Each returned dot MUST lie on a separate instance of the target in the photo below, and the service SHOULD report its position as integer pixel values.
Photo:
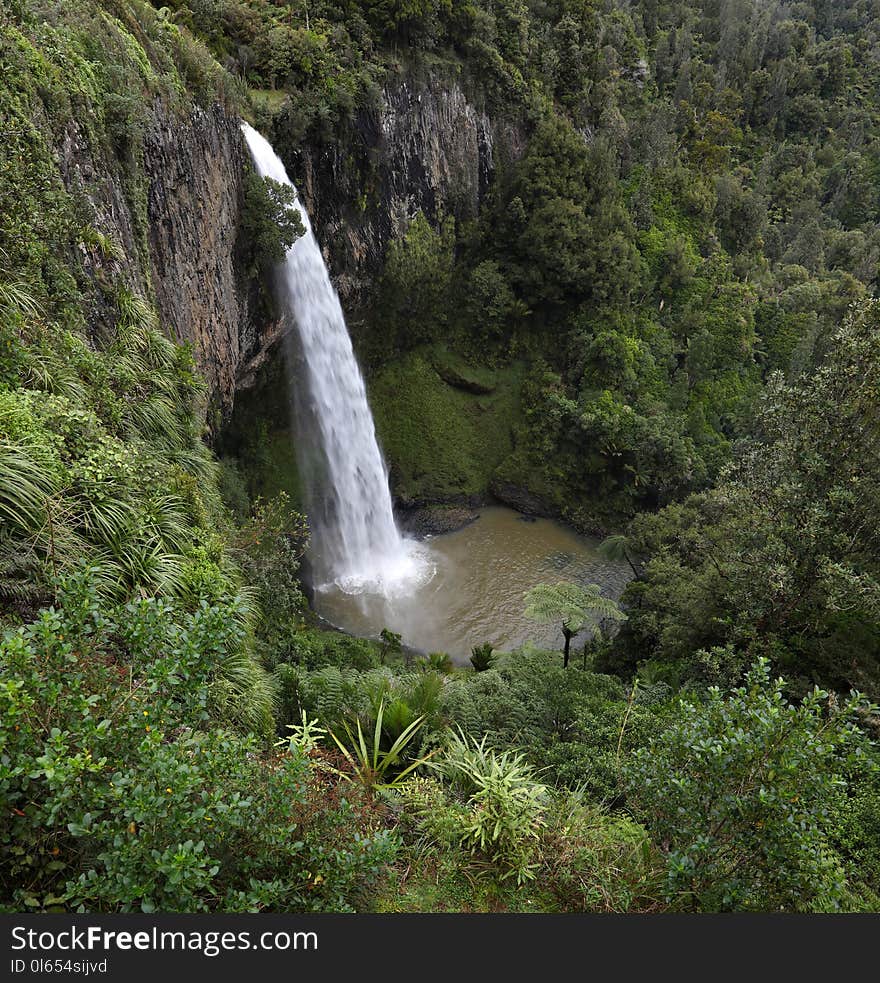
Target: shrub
(268, 547)
(596, 861)
(123, 793)
(270, 224)
(371, 764)
(739, 790)
(482, 657)
(505, 804)
(855, 829)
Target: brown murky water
(472, 586)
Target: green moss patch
(456, 372)
(442, 442)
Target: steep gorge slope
(687, 203)
(428, 147)
(122, 197)
(140, 168)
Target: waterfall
(355, 545)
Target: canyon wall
(429, 147)
(175, 213)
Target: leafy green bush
(268, 546)
(270, 224)
(596, 861)
(124, 793)
(525, 840)
(854, 829)
(504, 806)
(739, 790)
(603, 735)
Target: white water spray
(355, 542)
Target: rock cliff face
(175, 216)
(428, 148)
(195, 168)
(173, 213)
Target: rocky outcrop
(521, 499)
(435, 520)
(169, 217)
(454, 376)
(195, 167)
(174, 218)
(428, 148)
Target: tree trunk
(632, 565)
(567, 650)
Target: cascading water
(356, 545)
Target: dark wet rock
(522, 500)
(175, 229)
(429, 146)
(458, 379)
(434, 520)
(196, 167)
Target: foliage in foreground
(370, 763)
(715, 801)
(740, 791)
(125, 788)
(488, 820)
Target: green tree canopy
(738, 789)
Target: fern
(573, 607)
(23, 581)
(322, 693)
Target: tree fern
(572, 606)
(617, 548)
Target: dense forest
(654, 320)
